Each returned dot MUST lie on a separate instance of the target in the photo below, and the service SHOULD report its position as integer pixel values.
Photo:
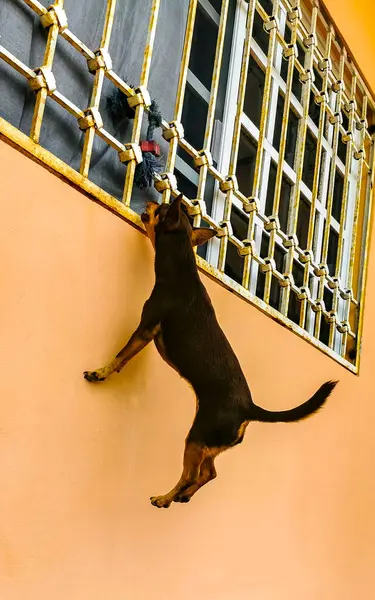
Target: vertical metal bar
(367, 219)
(242, 86)
(317, 173)
(216, 75)
(97, 89)
(180, 94)
(279, 174)
(300, 154)
(357, 204)
(237, 125)
(139, 111)
(343, 216)
(212, 103)
(41, 95)
(353, 247)
(348, 162)
(331, 186)
(319, 147)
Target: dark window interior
(285, 192)
(278, 122)
(324, 331)
(186, 186)
(342, 149)
(267, 5)
(296, 83)
(259, 34)
(203, 48)
(254, 92)
(234, 262)
(337, 195)
(303, 222)
(309, 160)
(291, 138)
(194, 115)
(292, 132)
(345, 120)
(332, 251)
(246, 164)
(294, 308)
(216, 4)
(279, 255)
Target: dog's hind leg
(194, 456)
(207, 473)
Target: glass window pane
(246, 164)
(254, 92)
(203, 48)
(194, 117)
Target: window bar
(273, 225)
(365, 241)
(67, 104)
(175, 131)
(98, 70)
(323, 270)
(272, 26)
(42, 92)
(36, 7)
(119, 83)
(16, 64)
(242, 86)
(237, 126)
(306, 79)
(353, 247)
(205, 158)
(347, 139)
(144, 100)
(77, 44)
(321, 100)
(42, 79)
(63, 30)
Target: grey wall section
(22, 34)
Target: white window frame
(270, 153)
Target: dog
(180, 319)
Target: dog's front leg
(148, 328)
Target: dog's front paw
(160, 501)
(94, 375)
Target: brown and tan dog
(181, 320)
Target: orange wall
(291, 515)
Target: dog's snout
(145, 218)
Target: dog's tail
(299, 412)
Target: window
(273, 151)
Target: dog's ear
(201, 235)
(172, 218)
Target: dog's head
(168, 219)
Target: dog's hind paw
(182, 499)
(93, 376)
(160, 501)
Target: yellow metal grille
(303, 63)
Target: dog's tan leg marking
(207, 473)
(207, 469)
(193, 458)
(140, 338)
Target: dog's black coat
(195, 345)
